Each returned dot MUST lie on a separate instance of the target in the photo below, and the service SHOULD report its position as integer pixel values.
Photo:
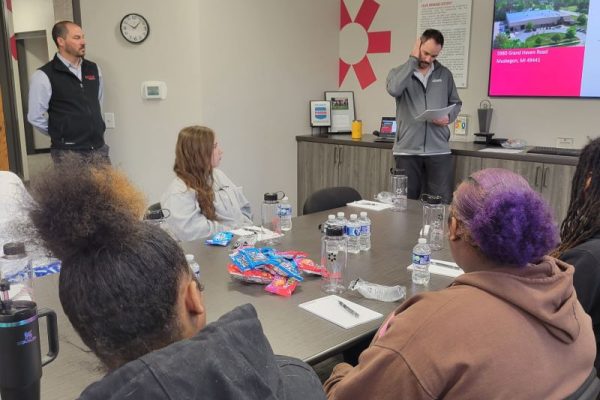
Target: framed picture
(320, 113)
(342, 111)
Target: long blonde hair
(193, 165)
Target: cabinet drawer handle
(537, 173)
(340, 156)
(335, 149)
(544, 176)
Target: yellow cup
(357, 129)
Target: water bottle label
(353, 231)
(284, 211)
(420, 259)
(365, 229)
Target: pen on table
(446, 264)
(351, 311)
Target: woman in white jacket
(202, 200)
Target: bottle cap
(353, 216)
(334, 230)
(270, 197)
(13, 249)
(363, 214)
(154, 215)
(422, 241)
(330, 216)
(189, 257)
(285, 198)
(340, 214)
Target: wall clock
(134, 28)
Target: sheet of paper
(263, 233)
(430, 115)
(328, 308)
(445, 268)
(502, 150)
(370, 205)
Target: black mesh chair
(328, 198)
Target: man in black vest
(65, 98)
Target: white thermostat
(154, 90)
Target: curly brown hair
(193, 165)
(120, 276)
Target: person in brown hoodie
(511, 327)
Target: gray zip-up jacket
(412, 99)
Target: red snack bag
(282, 286)
(251, 276)
(293, 254)
(308, 266)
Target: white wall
(35, 15)
(538, 121)
(246, 69)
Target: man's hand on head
(416, 50)
(441, 121)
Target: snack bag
(220, 239)
(250, 276)
(308, 266)
(282, 286)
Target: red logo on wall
(376, 42)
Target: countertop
(458, 148)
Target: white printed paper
(430, 115)
(370, 205)
(328, 308)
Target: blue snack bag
(220, 239)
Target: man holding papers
(426, 102)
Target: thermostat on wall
(154, 90)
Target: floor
(38, 163)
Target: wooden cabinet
(464, 166)
(322, 165)
(553, 181)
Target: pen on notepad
(351, 311)
(445, 264)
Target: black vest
(74, 117)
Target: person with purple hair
(511, 327)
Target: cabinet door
(464, 166)
(317, 168)
(386, 163)
(529, 170)
(360, 169)
(556, 188)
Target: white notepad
(328, 308)
(370, 205)
(445, 268)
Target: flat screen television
(545, 48)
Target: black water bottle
(20, 354)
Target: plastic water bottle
(329, 222)
(353, 229)
(341, 221)
(285, 214)
(420, 262)
(15, 267)
(194, 266)
(334, 259)
(365, 231)
(270, 216)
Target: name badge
(436, 80)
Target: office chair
(590, 390)
(328, 198)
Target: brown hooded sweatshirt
(503, 334)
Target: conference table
(290, 329)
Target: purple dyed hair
(505, 218)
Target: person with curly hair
(509, 328)
(129, 293)
(580, 234)
(202, 200)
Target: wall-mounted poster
(342, 111)
(320, 113)
(453, 19)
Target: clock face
(134, 28)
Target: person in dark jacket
(580, 234)
(65, 97)
(129, 293)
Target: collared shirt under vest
(74, 114)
